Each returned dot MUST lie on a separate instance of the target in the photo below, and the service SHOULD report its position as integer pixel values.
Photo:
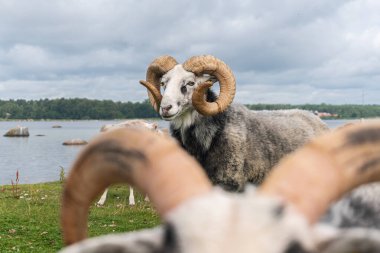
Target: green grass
(30, 223)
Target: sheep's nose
(166, 109)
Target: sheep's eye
(162, 84)
(190, 83)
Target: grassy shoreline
(30, 221)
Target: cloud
(294, 52)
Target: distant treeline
(342, 111)
(79, 108)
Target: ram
(233, 144)
(281, 216)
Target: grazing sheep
(281, 216)
(134, 124)
(233, 144)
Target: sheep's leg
(131, 197)
(102, 198)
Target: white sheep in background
(233, 144)
(134, 124)
(281, 216)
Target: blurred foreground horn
(325, 169)
(155, 164)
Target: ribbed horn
(207, 64)
(153, 163)
(330, 166)
(159, 67)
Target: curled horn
(137, 157)
(159, 67)
(322, 171)
(207, 64)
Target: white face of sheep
(178, 86)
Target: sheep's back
(264, 137)
(295, 126)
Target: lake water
(39, 158)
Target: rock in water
(75, 142)
(17, 132)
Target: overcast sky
(290, 51)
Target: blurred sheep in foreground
(281, 216)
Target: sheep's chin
(185, 119)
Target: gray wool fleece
(239, 145)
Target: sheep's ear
(213, 79)
(349, 241)
(205, 78)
